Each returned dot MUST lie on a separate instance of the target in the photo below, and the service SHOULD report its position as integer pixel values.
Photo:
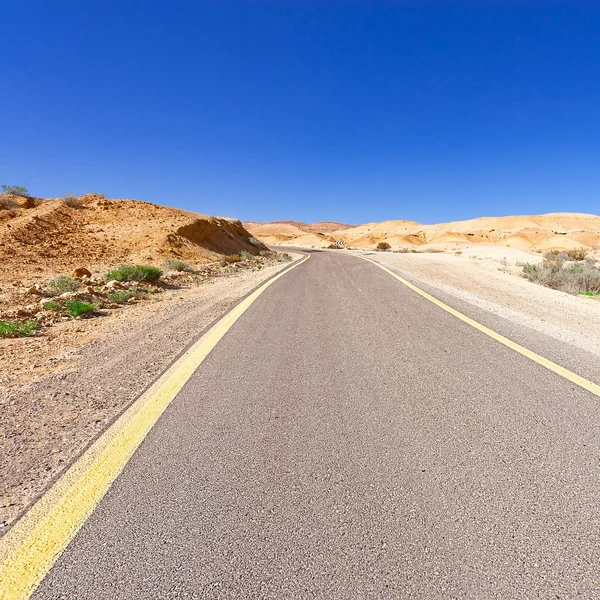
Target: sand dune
(535, 233)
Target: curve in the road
(586, 384)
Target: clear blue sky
(354, 111)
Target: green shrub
(176, 265)
(76, 308)
(246, 255)
(17, 190)
(14, 329)
(383, 246)
(134, 273)
(121, 296)
(52, 306)
(62, 284)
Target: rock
(68, 295)
(80, 272)
(113, 285)
(34, 289)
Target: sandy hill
(535, 233)
(41, 236)
(288, 232)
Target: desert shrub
(17, 190)
(383, 246)
(246, 255)
(8, 203)
(52, 305)
(577, 253)
(285, 257)
(61, 285)
(232, 258)
(76, 308)
(571, 277)
(263, 253)
(176, 265)
(121, 296)
(14, 329)
(72, 201)
(134, 273)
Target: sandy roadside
(490, 280)
(80, 387)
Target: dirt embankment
(39, 236)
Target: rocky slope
(40, 237)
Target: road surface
(348, 438)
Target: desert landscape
(536, 233)
(78, 345)
(97, 295)
(489, 262)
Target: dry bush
(557, 273)
(383, 246)
(232, 258)
(8, 203)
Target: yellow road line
(32, 546)
(573, 377)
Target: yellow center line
(573, 377)
(32, 546)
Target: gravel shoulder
(492, 283)
(59, 392)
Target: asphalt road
(349, 439)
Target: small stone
(80, 272)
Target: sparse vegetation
(8, 203)
(246, 255)
(285, 257)
(176, 265)
(61, 285)
(77, 308)
(263, 253)
(560, 271)
(52, 305)
(15, 329)
(122, 296)
(573, 254)
(383, 246)
(17, 190)
(134, 273)
(72, 201)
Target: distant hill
(554, 231)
